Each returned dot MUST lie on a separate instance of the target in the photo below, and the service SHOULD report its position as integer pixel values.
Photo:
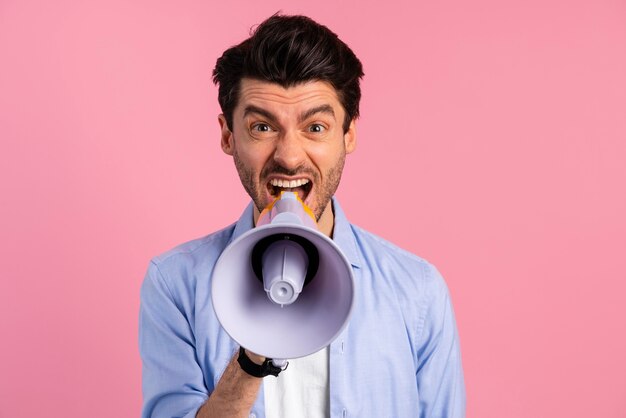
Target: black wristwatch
(256, 370)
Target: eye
(317, 127)
(261, 127)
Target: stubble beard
(324, 191)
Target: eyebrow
(319, 109)
(260, 111)
(325, 108)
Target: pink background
(492, 142)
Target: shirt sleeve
(172, 380)
(439, 373)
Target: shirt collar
(343, 235)
(245, 222)
(342, 231)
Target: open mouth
(300, 186)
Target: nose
(289, 151)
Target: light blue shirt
(398, 357)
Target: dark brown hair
(288, 50)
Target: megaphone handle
(280, 363)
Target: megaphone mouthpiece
(288, 208)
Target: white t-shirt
(300, 391)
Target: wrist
(255, 358)
(266, 366)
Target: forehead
(274, 96)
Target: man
(290, 98)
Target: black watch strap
(257, 370)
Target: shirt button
(252, 416)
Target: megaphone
(283, 290)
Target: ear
(349, 138)
(227, 141)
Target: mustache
(279, 169)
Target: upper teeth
(288, 183)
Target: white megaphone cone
(283, 290)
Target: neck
(325, 224)
(327, 221)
